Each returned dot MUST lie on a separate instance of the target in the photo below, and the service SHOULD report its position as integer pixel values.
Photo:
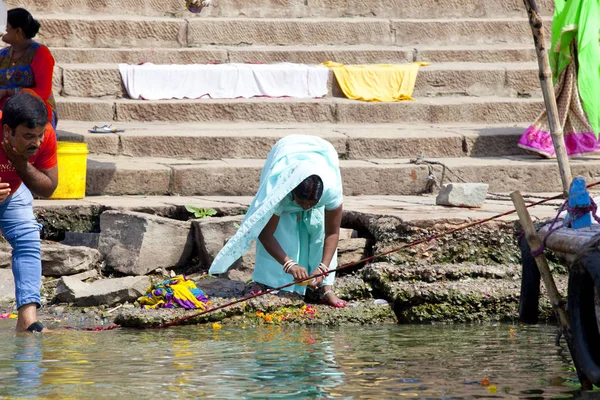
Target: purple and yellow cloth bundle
(177, 292)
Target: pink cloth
(540, 142)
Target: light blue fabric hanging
(300, 233)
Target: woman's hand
(316, 282)
(299, 273)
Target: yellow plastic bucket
(72, 168)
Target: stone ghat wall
(114, 255)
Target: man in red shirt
(28, 163)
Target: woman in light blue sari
(296, 216)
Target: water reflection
(433, 361)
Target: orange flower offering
(287, 313)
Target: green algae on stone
(356, 313)
(58, 220)
(352, 287)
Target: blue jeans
(22, 231)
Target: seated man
(28, 161)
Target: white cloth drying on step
(224, 81)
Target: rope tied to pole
(575, 212)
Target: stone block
(67, 55)
(432, 81)
(216, 179)
(289, 32)
(112, 31)
(7, 286)
(58, 259)
(240, 110)
(83, 276)
(81, 239)
(61, 260)
(101, 292)
(211, 234)
(87, 7)
(92, 81)
(194, 146)
(479, 54)
(316, 55)
(57, 81)
(444, 32)
(351, 250)
(85, 109)
(221, 287)
(462, 195)
(135, 243)
(98, 143)
(107, 177)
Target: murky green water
(431, 361)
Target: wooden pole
(555, 298)
(537, 28)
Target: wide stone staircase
(471, 104)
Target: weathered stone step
(462, 301)
(290, 8)
(100, 80)
(109, 31)
(437, 110)
(201, 141)
(444, 272)
(118, 175)
(358, 54)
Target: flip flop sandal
(36, 327)
(105, 129)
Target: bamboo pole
(555, 298)
(537, 28)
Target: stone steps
(118, 175)
(100, 80)
(436, 110)
(290, 8)
(111, 31)
(358, 54)
(201, 141)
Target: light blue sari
(300, 233)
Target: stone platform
(407, 208)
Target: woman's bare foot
(329, 298)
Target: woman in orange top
(26, 63)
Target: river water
(387, 361)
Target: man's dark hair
(21, 18)
(310, 189)
(24, 109)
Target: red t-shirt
(45, 158)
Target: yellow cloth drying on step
(377, 82)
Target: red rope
(364, 260)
